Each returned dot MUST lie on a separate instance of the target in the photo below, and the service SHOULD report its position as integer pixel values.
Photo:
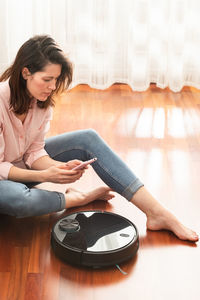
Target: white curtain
(129, 41)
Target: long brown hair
(35, 54)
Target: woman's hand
(63, 173)
(74, 163)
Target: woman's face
(41, 84)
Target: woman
(39, 71)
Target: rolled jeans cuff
(132, 189)
(62, 201)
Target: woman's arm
(25, 175)
(44, 162)
(48, 171)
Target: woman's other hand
(63, 173)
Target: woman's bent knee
(90, 134)
(14, 198)
(90, 137)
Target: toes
(194, 237)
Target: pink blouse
(21, 143)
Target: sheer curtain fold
(129, 41)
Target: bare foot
(168, 221)
(158, 217)
(75, 198)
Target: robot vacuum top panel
(95, 231)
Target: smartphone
(85, 163)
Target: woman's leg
(158, 217)
(86, 144)
(16, 199)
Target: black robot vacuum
(94, 239)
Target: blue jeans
(20, 200)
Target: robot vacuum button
(69, 225)
(124, 235)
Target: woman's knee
(14, 198)
(90, 136)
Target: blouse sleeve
(36, 149)
(4, 166)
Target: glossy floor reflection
(157, 133)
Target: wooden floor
(157, 133)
